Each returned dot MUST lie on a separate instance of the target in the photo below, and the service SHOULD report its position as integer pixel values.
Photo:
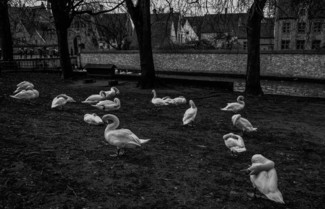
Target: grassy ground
(53, 159)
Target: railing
(38, 64)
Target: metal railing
(36, 64)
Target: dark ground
(53, 159)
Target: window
(301, 27)
(245, 45)
(300, 44)
(315, 44)
(317, 27)
(285, 44)
(286, 27)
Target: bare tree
(140, 14)
(5, 33)
(63, 12)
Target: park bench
(105, 70)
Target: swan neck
(113, 125)
(154, 93)
(192, 104)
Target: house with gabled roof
(300, 27)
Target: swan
(179, 100)
(234, 142)
(264, 177)
(108, 105)
(61, 100)
(157, 101)
(24, 85)
(26, 94)
(95, 98)
(190, 114)
(168, 100)
(235, 106)
(111, 93)
(242, 123)
(93, 119)
(121, 138)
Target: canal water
(290, 88)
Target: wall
(282, 64)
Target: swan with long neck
(264, 177)
(93, 119)
(26, 94)
(235, 106)
(61, 100)
(111, 93)
(242, 123)
(25, 85)
(92, 99)
(120, 138)
(157, 101)
(108, 105)
(190, 114)
(234, 142)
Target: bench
(106, 70)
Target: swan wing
(245, 125)
(122, 138)
(58, 101)
(189, 115)
(93, 99)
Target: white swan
(190, 114)
(235, 106)
(121, 138)
(24, 85)
(111, 93)
(93, 119)
(108, 105)
(168, 100)
(234, 142)
(26, 94)
(157, 101)
(61, 100)
(95, 98)
(242, 123)
(179, 100)
(264, 177)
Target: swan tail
(14, 96)
(253, 129)
(224, 109)
(143, 141)
(275, 196)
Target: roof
(112, 25)
(195, 22)
(291, 9)
(164, 18)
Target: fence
(39, 64)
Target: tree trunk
(64, 53)
(255, 15)
(141, 18)
(5, 32)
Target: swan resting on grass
(92, 99)
(61, 100)
(264, 177)
(234, 142)
(242, 123)
(93, 119)
(179, 100)
(108, 105)
(235, 106)
(24, 85)
(121, 138)
(111, 93)
(158, 101)
(26, 94)
(190, 114)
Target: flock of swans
(262, 172)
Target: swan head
(102, 94)
(235, 118)
(240, 98)
(192, 104)
(115, 90)
(117, 101)
(259, 164)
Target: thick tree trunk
(5, 33)
(141, 18)
(64, 53)
(255, 15)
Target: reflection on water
(287, 88)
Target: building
(300, 27)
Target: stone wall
(289, 64)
